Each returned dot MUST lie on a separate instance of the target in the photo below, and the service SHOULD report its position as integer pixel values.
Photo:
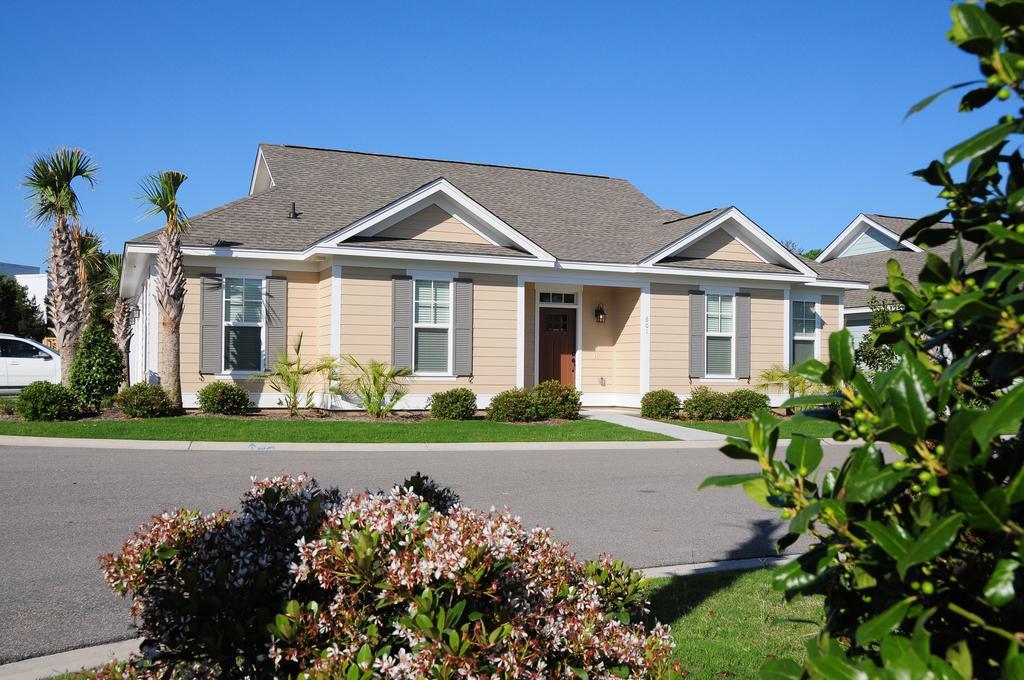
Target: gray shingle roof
(872, 267)
(724, 265)
(424, 246)
(896, 225)
(572, 216)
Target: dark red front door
(557, 351)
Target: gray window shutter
(276, 318)
(401, 321)
(743, 335)
(211, 323)
(463, 326)
(697, 334)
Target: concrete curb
(67, 662)
(88, 657)
(154, 445)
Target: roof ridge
(441, 160)
(896, 217)
(696, 214)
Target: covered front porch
(589, 336)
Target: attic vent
(293, 213)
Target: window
(558, 298)
(15, 349)
(243, 324)
(719, 335)
(805, 321)
(432, 326)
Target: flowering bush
(305, 581)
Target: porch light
(599, 313)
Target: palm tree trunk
(170, 297)
(122, 327)
(65, 299)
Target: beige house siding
(366, 312)
(767, 330)
(670, 337)
(611, 350)
(433, 223)
(830, 321)
(323, 306)
(720, 245)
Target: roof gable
(869, 233)
(720, 244)
(433, 223)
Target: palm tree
(49, 181)
(120, 315)
(160, 195)
(91, 266)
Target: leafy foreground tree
(920, 532)
(49, 181)
(160, 194)
(19, 315)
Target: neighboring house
(862, 251)
(483, 276)
(31, 278)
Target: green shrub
(514, 406)
(706, 404)
(660, 404)
(555, 400)
(224, 397)
(455, 404)
(743, 403)
(98, 368)
(8, 406)
(47, 401)
(143, 400)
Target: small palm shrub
(555, 400)
(376, 387)
(743, 403)
(98, 368)
(660, 404)
(47, 401)
(455, 404)
(789, 380)
(516, 405)
(293, 378)
(706, 404)
(143, 400)
(376, 585)
(224, 397)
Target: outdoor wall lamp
(599, 313)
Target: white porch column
(520, 331)
(645, 338)
(787, 344)
(336, 310)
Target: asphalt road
(60, 508)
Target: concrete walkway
(686, 434)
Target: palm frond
(160, 197)
(50, 181)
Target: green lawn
(811, 427)
(198, 428)
(726, 624)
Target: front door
(557, 345)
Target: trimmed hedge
(47, 401)
(706, 404)
(458, 403)
(548, 400)
(98, 368)
(660, 404)
(224, 397)
(143, 400)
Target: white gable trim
(438, 190)
(860, 224)
(441, 202)
(260, 164)
(756, 234)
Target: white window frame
(815, 300)
(720, 292)
(243, 324)
(437, 277)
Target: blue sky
(791, 111)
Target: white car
(23, 362)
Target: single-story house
(482, 276)
(862, 250)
